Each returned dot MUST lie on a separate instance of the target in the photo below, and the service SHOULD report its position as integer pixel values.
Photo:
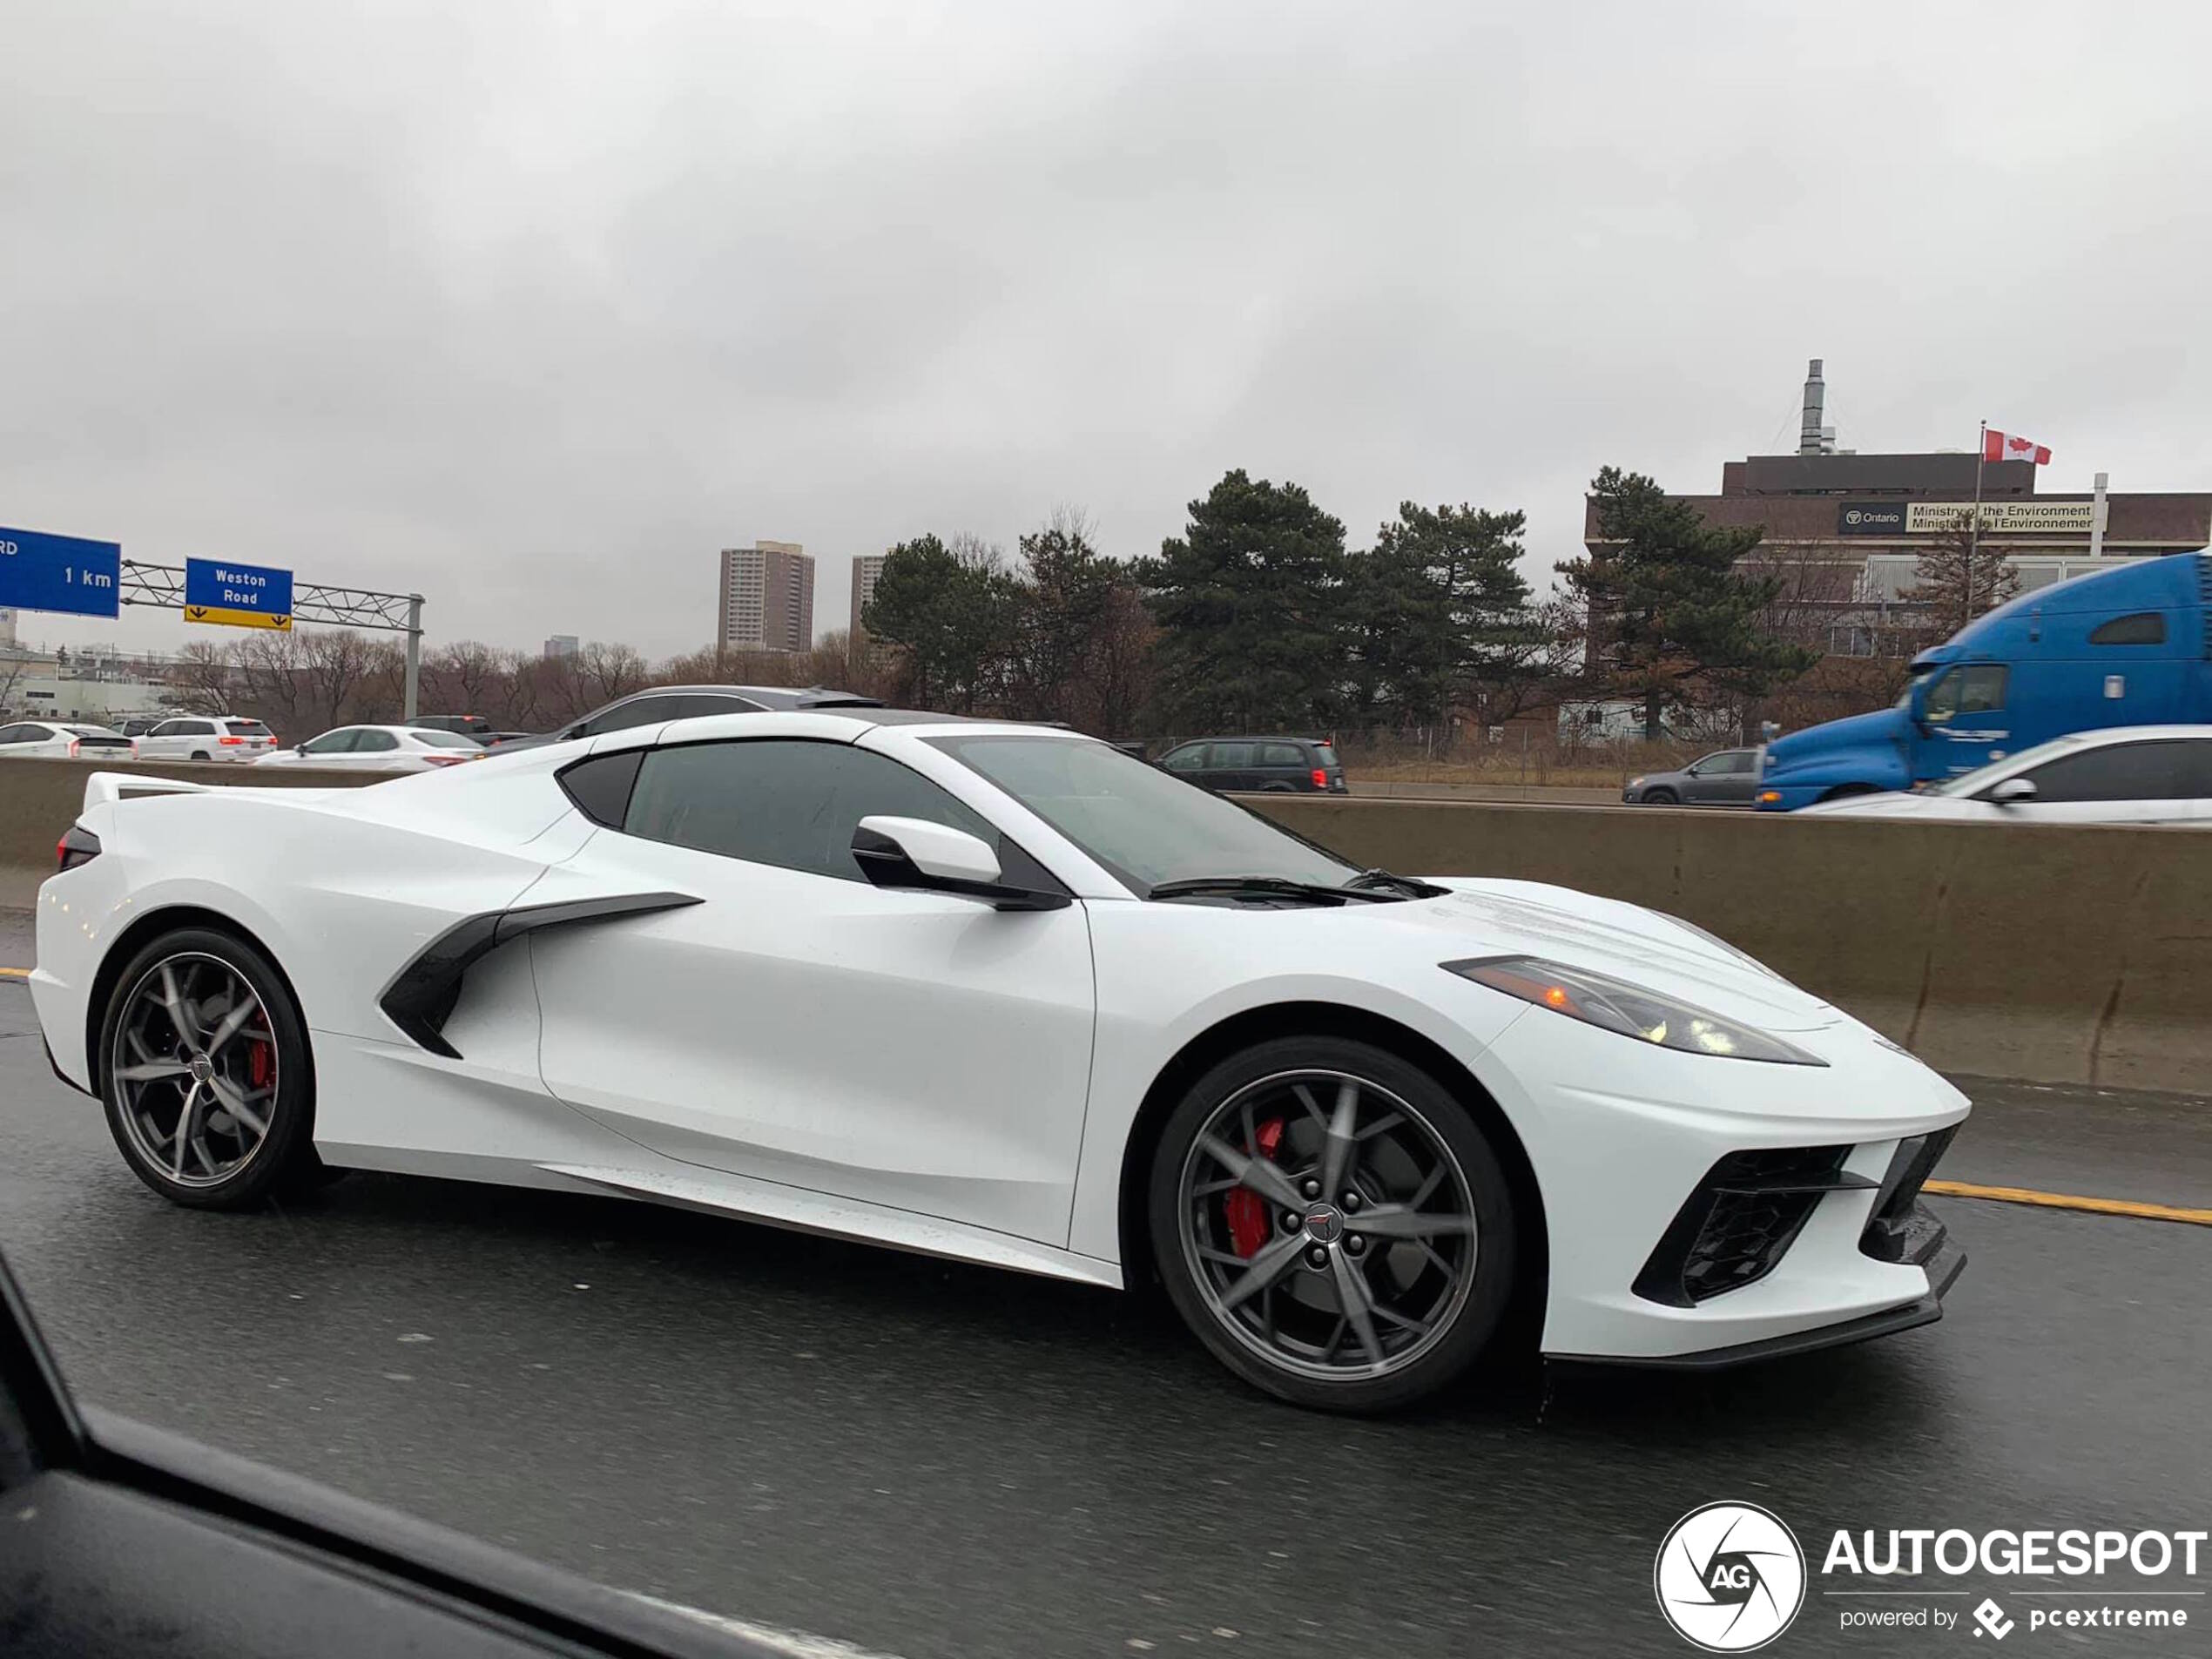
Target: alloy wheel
(1328, 1226)
(195, 1068)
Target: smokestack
(1812, 438)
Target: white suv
(206, 736)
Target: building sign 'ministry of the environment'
(1998, 517)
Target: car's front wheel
(205, 1072)
(1333, 1224)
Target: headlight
(1614, 1005)
(1635, 783)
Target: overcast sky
(533, 305)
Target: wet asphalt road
(929, 1460)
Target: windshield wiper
(1264, 885)
(1368, 880)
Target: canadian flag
(2002, 446)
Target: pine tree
(1670, 613)
(1250, 603)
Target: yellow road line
(2068, 1201)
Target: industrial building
(1847, 528)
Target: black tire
(1660, 797)
(283, 1158)
(1474, 1301)
(201, 754)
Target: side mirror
(916, 855)
(2014, 791)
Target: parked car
(206, 736)
(379, 748)
(474, 725)
(139, 724)
(1266, 765)
(1725, 778)
(2140, 774)
(660, 702)
(61, 740)
(2122, 647)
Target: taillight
(75, 743)
(445, 760)
(1320, 778)
(78, 846)
(230, 740)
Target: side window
(369, 741)
(2117, 772)
(17, 734)
(2144, 627)
(1281, 754)
(642, 710)
(1191, 757)
(785, 802)
(2196, 769)
(330, 743)
(706, 703)
(1229, 757)
(1972, 688)
(1735, 764)
(170, 729)
(600, 785)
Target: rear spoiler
(104, 787)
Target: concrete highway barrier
(2065, 955)
(2068, 954)
(40, 798)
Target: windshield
(435, 739)
(1982, 777)
(1146, 825)
(247, 728)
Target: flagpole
(1973, 534)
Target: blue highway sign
(239, 595)
(66, 573)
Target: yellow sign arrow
(229, 618)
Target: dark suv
(659, 703)
(1261, 765)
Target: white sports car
(1004, 993)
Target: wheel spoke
(235, 1104)
(1273, 1260)
(1358, 1302)
(1336, 1150)
(148, 1071)
(187, 1126)
(1258, 1174)
(179, 1019)
(233, 1022)
(1403, 1221)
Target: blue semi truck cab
(2128, 646)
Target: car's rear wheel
(205, 1072)
(1333, 1224)
(1660, 797)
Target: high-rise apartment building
(560, 646)
(866, 567)
(767, 600)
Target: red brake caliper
(257, 1064)
(1244, 1209)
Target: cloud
(533, 306)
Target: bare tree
(202, 677)
(1956, 579)
(333, 663)
(270, 682)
